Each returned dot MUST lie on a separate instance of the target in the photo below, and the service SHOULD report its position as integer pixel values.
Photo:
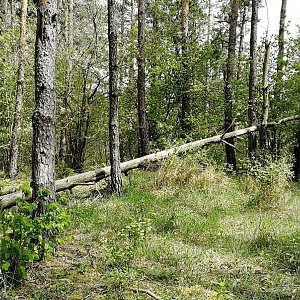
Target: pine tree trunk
(14, 146)
(230, 75)
(43, 120)
(143, 127)
(185, 92)
(252, 143)
(114, 136)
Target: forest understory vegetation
(189, 230)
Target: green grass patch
(183, 232)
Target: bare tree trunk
(265, 90)
(281, 42)
(185, 92)
(241, 41)
(252, 143)
(114, 136)
(43, 119)
(143, 127)
(230, 74)
(275, 139)
(14, 146)
(69, 6)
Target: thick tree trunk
(252, 80)
(43, 120)
(230, 75)
(9, 200)
(15, 137)
(185, 92)
(143, 128)
(114, 136)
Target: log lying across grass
(9, 200)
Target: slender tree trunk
(281, 42)
(143, 127)
(241, 41)
(3, 15)
(265, 91)
(114, 136)
(230, 75)
(14, 146)
(185, 92)
(252, 143)
(275, 139)
(69, 39)
(43, 119)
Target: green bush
(25, 237)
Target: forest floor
(183, 231)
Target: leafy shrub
(24, 236)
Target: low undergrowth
(187, 231)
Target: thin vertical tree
(265, 93)
(230, 75)
(43, 119)
(185, 92)
(275, 139)
(114, 136)
(15, 137)
(141, 82)
(3, 15)
(252, 143)
(281, 41)
(69, 41)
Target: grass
(184, 232)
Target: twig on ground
(147, 292)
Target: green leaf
(5, 266)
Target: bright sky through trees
(271, 12)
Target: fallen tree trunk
(9, 200)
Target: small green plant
(25, 235)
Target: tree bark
(265, 92)
(15, 137)
(114, 136)
(69, 40)
(3, 15)
(230, 74)
(143, 127)
(253, 80)
(241, 41)
(43, 120)
(185, 92)
(281, 41)
(9, 200)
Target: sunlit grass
(184, 232)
